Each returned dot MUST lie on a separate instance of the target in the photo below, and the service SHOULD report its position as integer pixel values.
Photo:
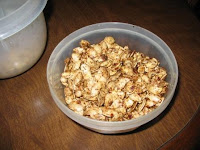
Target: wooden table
(29, 118)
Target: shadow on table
(48, 10)
(152, 122)
(159, 117)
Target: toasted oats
(109, 82)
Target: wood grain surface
(30, 120)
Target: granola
(106, 81)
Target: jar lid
(19, 18)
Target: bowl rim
(133, 122)
(21, 17)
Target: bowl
(22, 35)
(136, 38)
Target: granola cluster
(106, 81)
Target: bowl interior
(135, 38)
(9, 6)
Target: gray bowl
(136, 38)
